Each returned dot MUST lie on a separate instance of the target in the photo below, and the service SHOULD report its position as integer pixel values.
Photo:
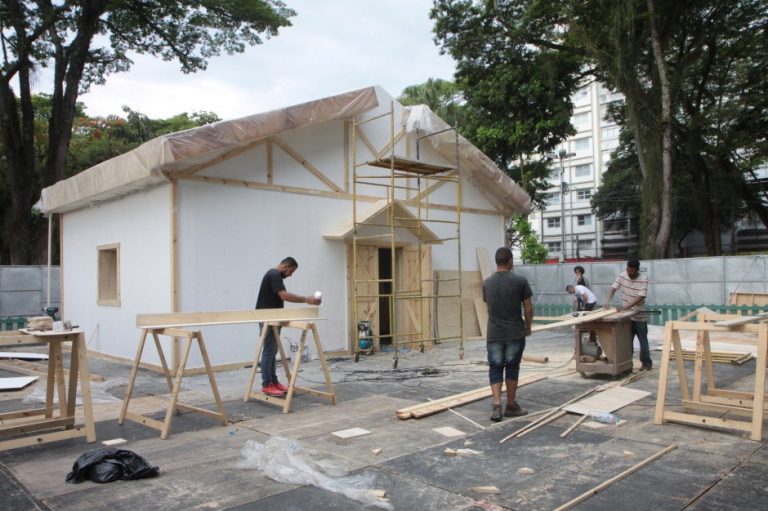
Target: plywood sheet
(351, 432)
(607, 401)
(484, 262)
(449, 431)
(447, 284)
(23, 355)
(16, 383)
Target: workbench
(32, 427)
(614, 335)
(179, 326)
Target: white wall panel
(141, 224)
(230, 236)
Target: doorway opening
(385, 296)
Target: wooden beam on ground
(573, 426)
(423, 409)
(600, 487)
(553, 413)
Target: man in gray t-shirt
(508, 296)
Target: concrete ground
(202, 463)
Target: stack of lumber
(423, 409)
(723, 357)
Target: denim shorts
(504, 355)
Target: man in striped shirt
(634, 289)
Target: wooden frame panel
(108, 274)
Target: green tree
(85, 41)
(94, 140)
(520, 234)
(441, 96)
(687, 71)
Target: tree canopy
(82, 43)
(694, 108)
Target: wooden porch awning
(376, 216)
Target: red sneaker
(273, 391)
(280, 386)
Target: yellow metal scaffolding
(407, 185)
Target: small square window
(584, 219)
(108, 274)
(553, 246)
(553, 222)
(585, 194)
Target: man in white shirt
(584, 297)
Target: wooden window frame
(108, 292)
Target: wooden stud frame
(291, 374)
(28, 420)
(749, 404)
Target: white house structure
(191, 221)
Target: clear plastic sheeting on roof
(493, 183)
(149, 164)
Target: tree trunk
(659, 244)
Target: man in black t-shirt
(508, 296)
(272, 295)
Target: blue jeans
(268, 353)
(640, 329)
(504, 355)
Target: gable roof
(404, 219)
(151, 163)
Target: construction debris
(600, 487)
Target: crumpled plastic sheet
(287, 461)
(99, 393)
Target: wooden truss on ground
(723, 401)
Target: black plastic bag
(108, 464)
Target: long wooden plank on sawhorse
(188, 337)
(717, 400)
(291, 375)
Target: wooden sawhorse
(78, 367)
(750, 404)
(188, 336)
(291, 375)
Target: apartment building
(568, 225)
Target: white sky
(333, 46)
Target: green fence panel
(12, 322)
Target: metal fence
(24, 292)
(682, 282)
